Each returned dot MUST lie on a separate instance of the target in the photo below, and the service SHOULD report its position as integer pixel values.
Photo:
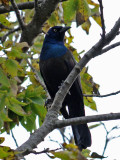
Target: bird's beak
(64, 29)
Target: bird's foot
(61, 85)
(48, 103)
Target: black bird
(56, 62)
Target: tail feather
(82, 136)
(75, 105)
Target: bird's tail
(82, 136)
(75, 105)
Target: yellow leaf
(2, 139)
(86, 26)
(83, 12)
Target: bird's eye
(55, 30)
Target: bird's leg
(48, 103)
(61, 84)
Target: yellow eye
(55, 30)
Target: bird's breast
(54, 71)
(52, 51)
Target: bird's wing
(75, 90)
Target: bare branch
(102, 19)
(52, 123)
(10, 32)
(21, 6)
(36, 5)
(101, 96)
(14, 138)
(35, 26)
(21, 23)
(36, 75)
(47, 150)
(87, 119)
(107, 134)
(110, 47)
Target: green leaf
(7, 153)
(1, 48)
(69, 10)
(86, 153)
(8, 44)
(40, 111)
(1, 123)
(94, 126)
(88, 101)
(34, 92)
(29, 121)
(5, 117)
(53, 20)
(2, 60)
(4, 21)
(2, 102)
(64, 155)
(2, 139)
(15, 101)
(15, 107)
(11, 67)
(3, 79)
(38, 100)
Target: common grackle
(56, 62)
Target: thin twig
(21, 23)
(36, 5)
(101, 96)
(102, 19)
(110, 47)
(14, 138)
(107, 134)
(36, 75)
(21, 6)
(7, 34)
(45, 151)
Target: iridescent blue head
(56, 33)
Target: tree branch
(48, 126)
(108, 139)
(110, 47)
(36, 5)
(36, 75)
(87, 119)
(21, 23)
(35, 26)
(101, 96)
(102, 19)
(21, 6)
(7, 34)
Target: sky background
(105, 72)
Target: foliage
(22, 97)
(71, 152)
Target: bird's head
(56, 33)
